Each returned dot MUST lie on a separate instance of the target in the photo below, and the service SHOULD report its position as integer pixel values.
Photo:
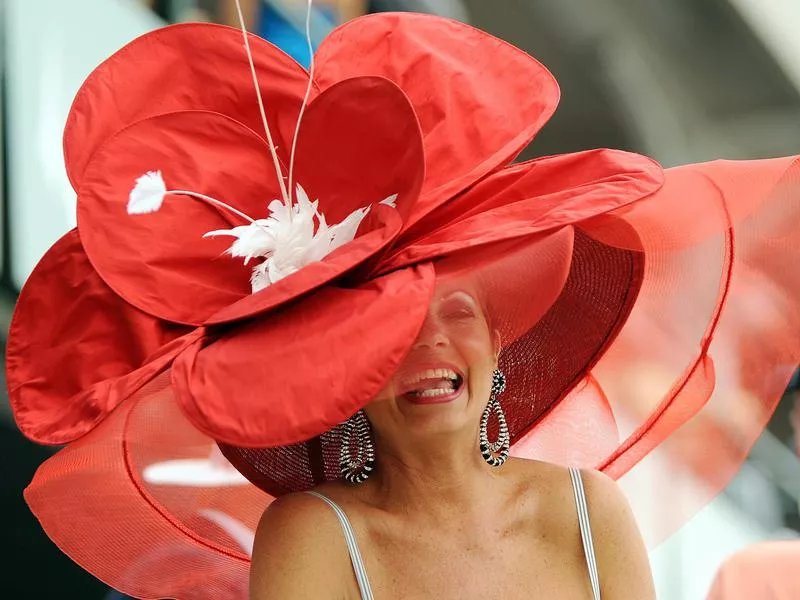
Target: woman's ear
(497, 345)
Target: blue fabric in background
(274, 28)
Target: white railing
(776, 23)
(51, 46)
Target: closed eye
(458, 306)
(461, 313)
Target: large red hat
(621, 291)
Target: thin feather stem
(215, 202)
(272, 148)
(305, 99)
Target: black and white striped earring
(357, 469)
(495, 453)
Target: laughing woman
(439, 514)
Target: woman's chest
(444, 567)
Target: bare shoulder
(605, 498)
(299, 551)
(544, 493)
(552, 483)
(622, 558)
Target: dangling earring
(495, 453)
(358, 469)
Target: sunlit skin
(434, 520)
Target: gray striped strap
(352, 548)
(586, 530)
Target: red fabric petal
(183, 67)
(260, 384)
(474, 115)
(726, 192)
(530, 198)
(159, 262)
(360, 143)
(72, 342)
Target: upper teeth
(431, 374)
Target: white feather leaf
(390, 201)
(147, 196)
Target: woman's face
(443, 385)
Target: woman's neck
(436, 478)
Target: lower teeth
(432, 393)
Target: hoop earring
(357, 470)
(495, 453)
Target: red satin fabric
(65, 361)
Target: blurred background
(682, 81)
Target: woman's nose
(431, 336)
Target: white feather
(291, 238)
(251, 240)
(260, 278)
(345, 231)
(390, 201)
(147, 196)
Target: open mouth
(432, 385)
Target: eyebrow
(461, 292)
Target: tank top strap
(586, 530)
(352, 547)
